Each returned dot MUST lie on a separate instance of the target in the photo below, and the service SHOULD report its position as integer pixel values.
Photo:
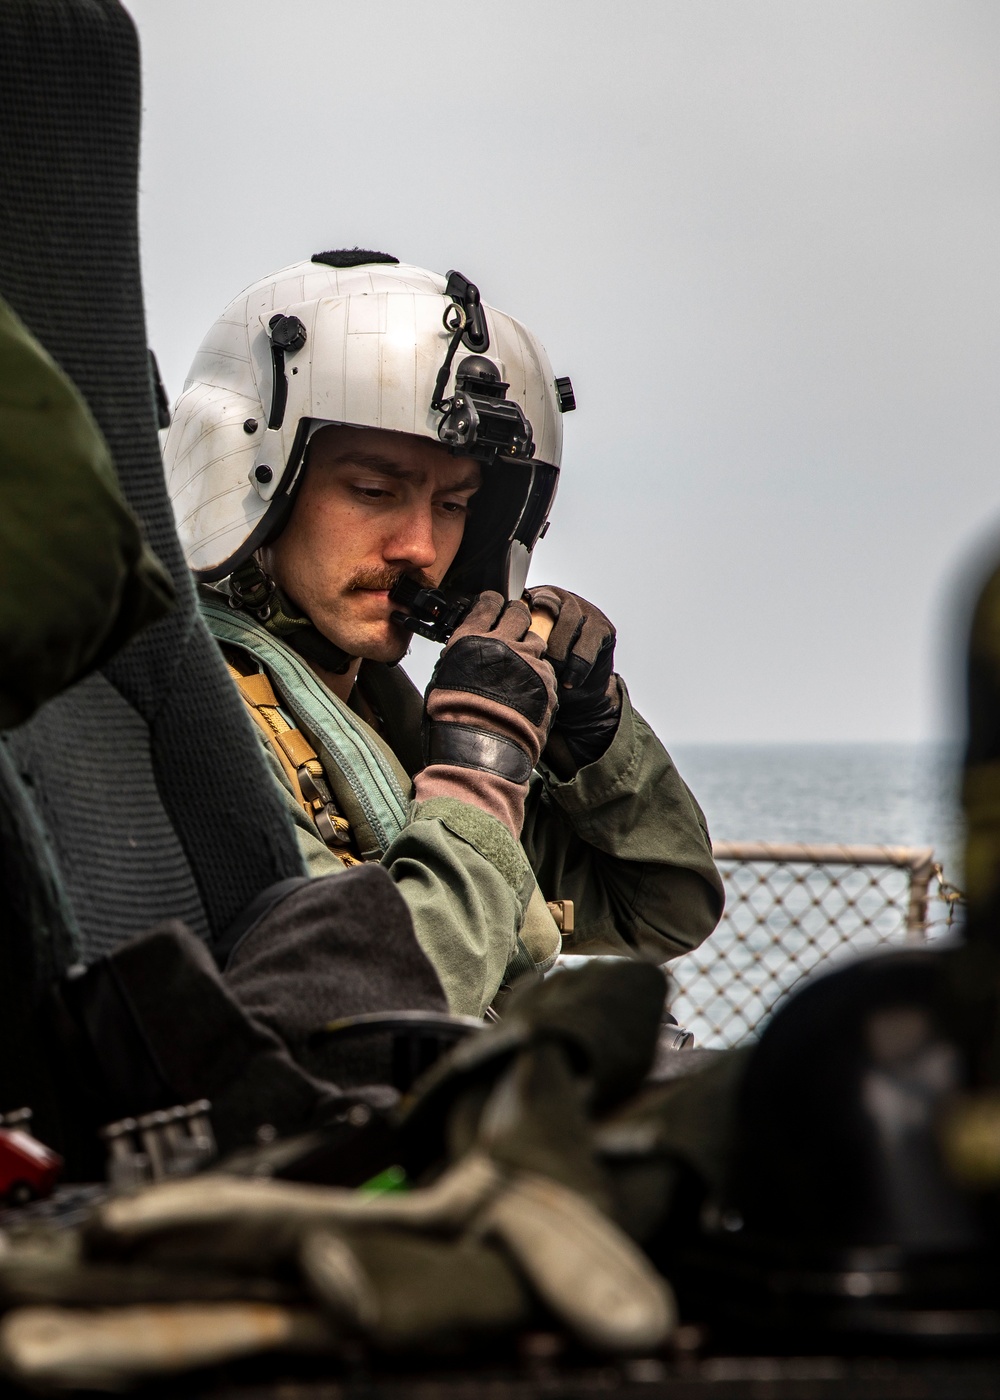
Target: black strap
(461, 746)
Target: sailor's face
(373, 505)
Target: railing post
(921, 865)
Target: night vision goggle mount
(478, 419)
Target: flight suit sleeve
(77, 578)
(626, 841)
(468, 886)
(466, 881)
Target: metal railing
(789, 909)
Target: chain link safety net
(791, 908)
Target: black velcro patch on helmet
(487, 667)
(352, 257)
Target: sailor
(355, 432)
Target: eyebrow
(471, 482)
(387, 466)
(375, 462)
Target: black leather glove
(581, 651)
(487, 712)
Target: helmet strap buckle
(251, 590)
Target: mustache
(379, 579)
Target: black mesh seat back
(148, 777)
(115, 847)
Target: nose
(412, 544)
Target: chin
(387, 644)
(392, 650)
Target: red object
(28, 1169)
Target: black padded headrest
(149, 776)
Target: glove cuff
(497, 797)
(463, 746)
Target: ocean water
(783, 923)
(885, 794)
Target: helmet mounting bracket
(466, 320)
(285, 334)
(479, 418)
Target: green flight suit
(76, 578)
(623, 839)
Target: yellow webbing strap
(298, 758)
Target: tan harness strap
(299, 760)
(255, 688)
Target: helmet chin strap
(253, 591)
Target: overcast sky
(760, 235)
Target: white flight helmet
(356, 338)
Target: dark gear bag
(156, 1023)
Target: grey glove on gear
(487, 712)
(581, 651)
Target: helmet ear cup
(496, 508)
(507, 517)
(518, 563)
